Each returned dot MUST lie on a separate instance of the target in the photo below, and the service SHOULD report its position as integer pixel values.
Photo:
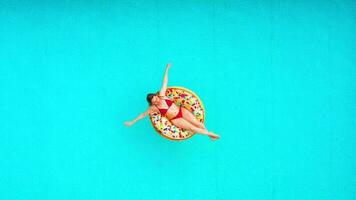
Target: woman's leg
(187, 115)
(184, 124)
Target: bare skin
(188, 121)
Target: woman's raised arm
(162, 92)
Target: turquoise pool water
(277, 79)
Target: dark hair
(149, 98)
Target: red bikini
(169, 103)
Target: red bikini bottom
(179, 115)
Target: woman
(178, 115)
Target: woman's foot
(213, 136)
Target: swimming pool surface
(277, 79)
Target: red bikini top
(164, 111)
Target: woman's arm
(142, 115)
(162, 92)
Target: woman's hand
(128, 123)
(168, 65)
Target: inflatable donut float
(186, 98)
